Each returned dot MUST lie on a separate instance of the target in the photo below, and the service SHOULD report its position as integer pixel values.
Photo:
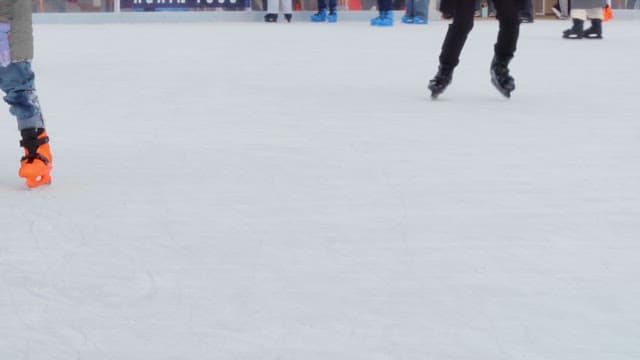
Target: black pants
(508, 18)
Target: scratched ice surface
(251, 191)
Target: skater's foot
(332, 16)
(595, 31)
(576, 31)
(320, 16)
(384, 19)
(37, 162)
(500, 77)
(440, 81)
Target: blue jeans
(418, 8)
(385, 5)
(322, 4)
(17, 81)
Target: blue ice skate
(332, 16)
(320, 16)
(384, 19)
(407, 19)
(419, 20)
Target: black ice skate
(439, 83)
(288, 17)
(576, 31)
(500, 77)
(595, 31)
(271, 18)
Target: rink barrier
(230, 16)
(187, 16)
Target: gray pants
(418, 8)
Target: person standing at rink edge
(580, 11)
(17, 81)
(273, 7)
(462, 11)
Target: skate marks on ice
(373, 227)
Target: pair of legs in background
(579, 16)
(322, 15)
(17, 82)
(417, 12)
(274, 7)
(385, 14)
(462, 13)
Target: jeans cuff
(34, 121)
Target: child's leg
(17, 81)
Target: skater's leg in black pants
(453, 43)
(457, 33)
(509, 31)
(505, 46)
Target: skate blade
(435, 93)
(505, 92)
(36, 181)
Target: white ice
(270, 191)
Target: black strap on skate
(32, 149)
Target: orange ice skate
(36, 164)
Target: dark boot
(288, 17)
(271, 18)
(595, 31)
(439, 83)
(500, 77)
(575, 32)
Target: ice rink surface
(290, 192)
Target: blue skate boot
(384, 19)
(332, 16)
(407, 19)
(419, 20)
(320, 16)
